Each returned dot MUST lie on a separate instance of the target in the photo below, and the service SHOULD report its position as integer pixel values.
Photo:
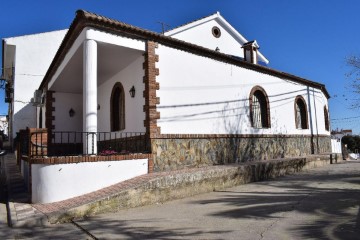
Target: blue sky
(308, 38)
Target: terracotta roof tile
(87, 19)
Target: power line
(338, 119)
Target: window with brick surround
(326, 117)
(301, 119)
(259, 108)
(117, 108)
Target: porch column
(90, 96)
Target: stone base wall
(179, 153)
(184, 183)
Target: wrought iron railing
(71, 143)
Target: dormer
(215, 33)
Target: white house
(25, 61)
(4, 125)
(336, 139)
(194, 96)
(338, 134)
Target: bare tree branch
(353, 62)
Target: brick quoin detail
(49, 117)
(152, 115)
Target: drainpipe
(311, 122)
(316, 123)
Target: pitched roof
(167, 31)
(86, 19)
(216, 16)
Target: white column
(90, 96)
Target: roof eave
(85, 19)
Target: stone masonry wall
(159, 187)
(178, 153)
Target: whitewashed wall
(199, 95)
(52, 183)
(4, 125)
(202, 35)
(132, 75)
(63, 103)
(336, 146)
(33, 56)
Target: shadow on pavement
(136, 229)
(333, 199)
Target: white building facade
(25, 62)
(195, 96)
(198, 104)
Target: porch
(34, 143)
(56, 165)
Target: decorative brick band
(49, 116)
(79, 159)
(49, 109)
(149, 93)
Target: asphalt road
(322, 203)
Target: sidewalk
(21, 212)
(143, 190)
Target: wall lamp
(132, 91)
(71, 112)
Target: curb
(32, 220)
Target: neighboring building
(338, 134)
(336, 137)
(4, 125)
(195, 96)
(25, 62)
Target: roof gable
(201, 32)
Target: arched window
(259, 108)
(326, 117)
(117, 108)
(301, 120)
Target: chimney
(250, 51)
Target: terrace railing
(37, 143)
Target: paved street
(322, 203)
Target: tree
(354, 74)
(352, 142)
